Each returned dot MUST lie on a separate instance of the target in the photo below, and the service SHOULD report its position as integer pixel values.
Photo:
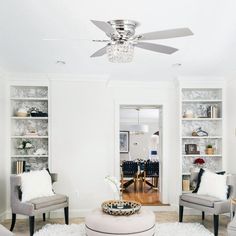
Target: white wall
(231, 126)
(83, 136)
(2, 149)
(85, 130)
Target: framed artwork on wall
(124, 141)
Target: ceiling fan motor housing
(125, 29)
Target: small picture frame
(124, 141)
(191, 149)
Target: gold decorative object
(121, 208)
(186, 185)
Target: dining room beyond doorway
(140, 153)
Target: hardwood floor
(147, 196)
(21, 228)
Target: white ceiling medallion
(122, 40)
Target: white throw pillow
(213, 185)
(36, 184)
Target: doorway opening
(141, 153)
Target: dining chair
(129, 170)
(151, 170)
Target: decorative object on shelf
(35, 112)
(186, 185)
(191, 149)
(124, 141)
(27, 167)
(20, 167)
(115, 186)
(31, 131)
(25, 146)
(188, 114)
(40, 152)
(22, 112)
(113, 208)
(213, 111)
(209, 149)
(199, 132)
(199, 163)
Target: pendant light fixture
(139, 128)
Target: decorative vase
(209, 151)
(121, 203)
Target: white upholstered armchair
(35, 206)
(206, 203)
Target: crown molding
(58, 77)
(201, 81)
(140, 84)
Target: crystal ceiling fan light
(120, 51)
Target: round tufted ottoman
(100, 224)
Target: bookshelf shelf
(28, 156)
(29, 137)
(205, 105)
(202, 155)
(201, 101)
(201, 137)
(201, 119)
(28, 98)
(29, 118)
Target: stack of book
(212, 111)
(20, 167)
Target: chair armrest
(17, 206)
(232, 207)
(54, 177)
(15, 183)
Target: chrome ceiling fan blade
(100, 52)
(66, 39)
(165, 34)
(101, 40)
(104, 26)
(156, 47)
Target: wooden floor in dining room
(146, 196)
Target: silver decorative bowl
(121, 208)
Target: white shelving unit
(27, 97)
(197, 100)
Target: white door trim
(164, 169)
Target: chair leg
(216, 224)
(31, 225)
(44, 216)
(181, 212)
(203, 215)
(13, 221)
(66, 213)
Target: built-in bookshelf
(29, 128)
(200, 108)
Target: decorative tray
(121, 208)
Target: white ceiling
(25, 23)
(145, 115)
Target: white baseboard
(161, 208)
(74, 213)
(2, 216)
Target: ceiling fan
(122, 39)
